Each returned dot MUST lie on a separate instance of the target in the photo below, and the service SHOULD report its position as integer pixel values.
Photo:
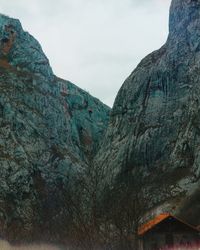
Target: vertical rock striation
(154, 131)
(49, 130)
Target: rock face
(49, 130)
(154, 128)
(21, 49)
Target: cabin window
(169, 239)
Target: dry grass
(183, 247)
(6, 246)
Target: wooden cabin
(166, 230)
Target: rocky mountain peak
(49, 131)
(153, 136)
(21, 51)
(184, 18)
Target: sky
(95, 44)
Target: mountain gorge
(74, 171)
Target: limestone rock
(154, 126)
(49, 130)
(21, 50)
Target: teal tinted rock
(153, 132)
(49, 130)
(21, 49)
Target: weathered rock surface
(21, 49)
(49, 130)
(155, 126)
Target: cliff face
(21, 50)
(154, 131)
(49, 131)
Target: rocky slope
(49, 130)
(154, 131)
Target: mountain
(153, 138)
(71, 171)
(49, 131)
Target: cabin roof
(144, 228)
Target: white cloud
(94, 43)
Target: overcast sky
(95, 44)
